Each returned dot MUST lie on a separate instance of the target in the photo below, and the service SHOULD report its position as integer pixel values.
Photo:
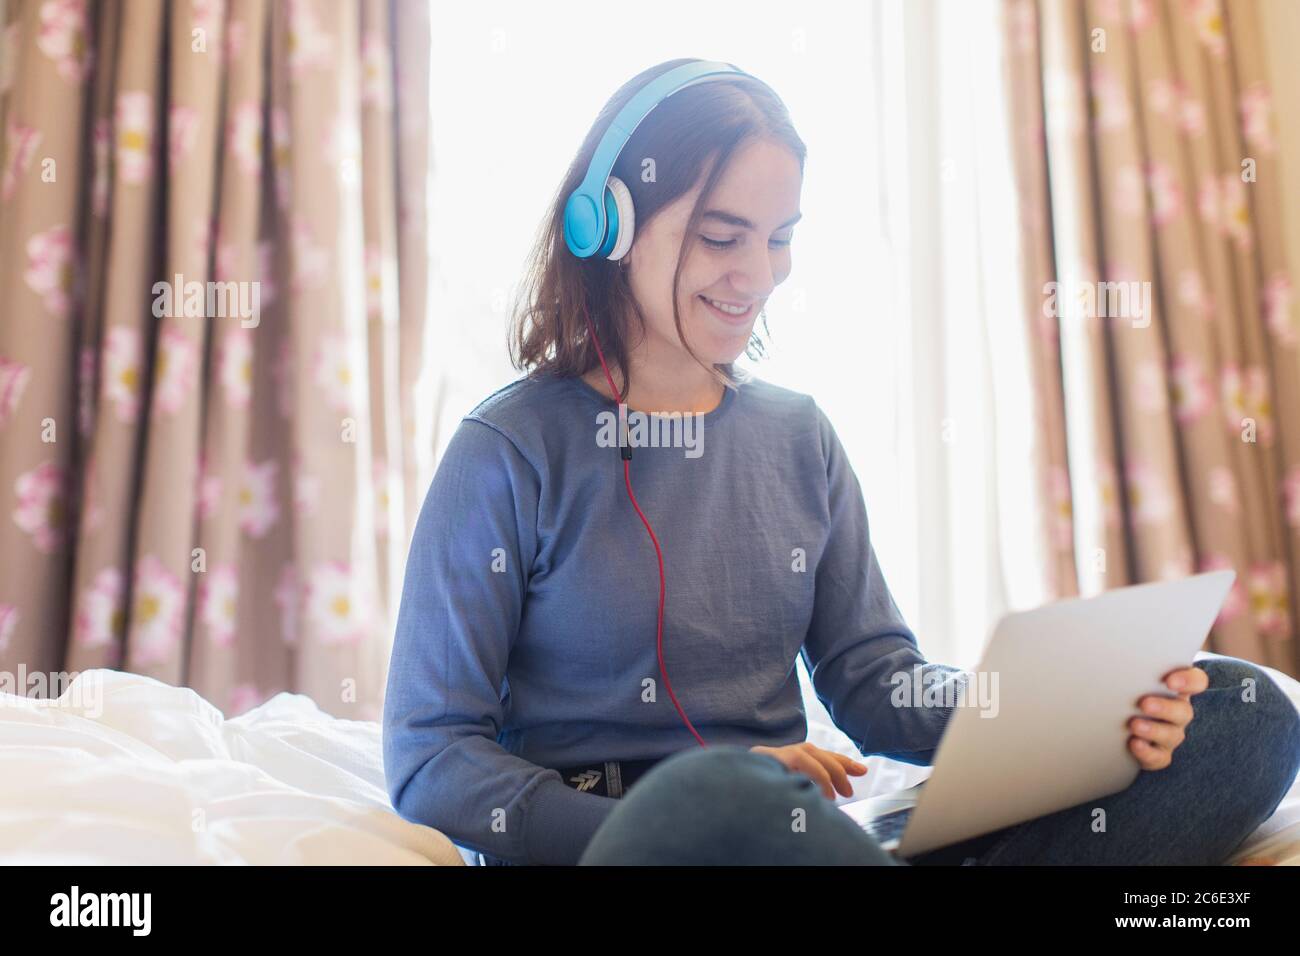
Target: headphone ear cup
(622, 225)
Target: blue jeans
(728, 806)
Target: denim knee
(728, 805)
(1232, 673)
(695, 807)
(703, 768)
(1250, 700)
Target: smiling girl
(572, 617)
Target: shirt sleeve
(462, 600)
(863, 659)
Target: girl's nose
(756, 277)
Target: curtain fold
(1172, 320)
(206, 354)
(968, 448)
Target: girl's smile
(725, 311)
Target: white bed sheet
(161, 777)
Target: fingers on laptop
(1187, 680)
(829, 770)
(1158, 731)
(1149, 755)
(1176, 710)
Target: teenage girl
(575, 613)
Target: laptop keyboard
(889, 826)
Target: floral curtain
(1146, 164)
(212, 277)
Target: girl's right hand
(827, 769)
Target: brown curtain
(198, 490)
(1145, 153)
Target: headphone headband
(584, 213)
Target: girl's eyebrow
(731, 219)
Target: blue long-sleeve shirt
(526, 635)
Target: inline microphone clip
(624, 444)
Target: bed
(160, 776)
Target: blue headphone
(598, 217)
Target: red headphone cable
(627, 479)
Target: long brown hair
(691, 134)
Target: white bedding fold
(160, 776)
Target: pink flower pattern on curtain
(1144, 154)
(191, 488)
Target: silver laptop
(1045, 723)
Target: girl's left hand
(1159, 729)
